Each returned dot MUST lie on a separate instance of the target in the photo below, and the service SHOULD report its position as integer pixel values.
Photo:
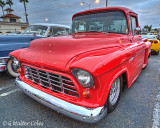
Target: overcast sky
(61, 11)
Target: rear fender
(147, 51)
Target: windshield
(35, 29)
(110, 22)
(149, 36)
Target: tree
(24, 3)
(149, 28)
(156, 30)
(2, 4)
(10, 3)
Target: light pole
(106, 3)
(89, 5)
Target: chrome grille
(55, 82)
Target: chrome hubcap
(114, 92)
(15, 65)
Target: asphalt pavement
(139, 106)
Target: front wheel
(12, 67)
(114, 94)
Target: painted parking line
(156, 114)
(156, 110)
(8, 93)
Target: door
(138, 50)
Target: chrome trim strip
(7, 57)
(3, 64)
(88, 115)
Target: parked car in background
(46, 30)
(158, 37)
(155, 43)
(9, 43)
(144, 33)
(82, 75)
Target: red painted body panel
(105, 56)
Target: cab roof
(123, 9)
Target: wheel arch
(124, 73)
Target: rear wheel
(114, 94)
(156, 53)
(12, 67)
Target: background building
(11, 23)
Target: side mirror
(137, 30)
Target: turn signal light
(86, 94)
(19, 70)
(156, 42)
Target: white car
(46, 30)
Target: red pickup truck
(82, 75)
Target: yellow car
(155, 43)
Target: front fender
(16, 53)
(107, 80)
(105, 67)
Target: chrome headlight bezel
(84, 78)
(16, 61)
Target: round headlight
(83, 77)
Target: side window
(133, 24)
(58, 31)
(12, 20)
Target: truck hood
(56, 53)
(9, 43)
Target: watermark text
(23, 123)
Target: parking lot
(139, 106)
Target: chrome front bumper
(88, 115)
(3, 63)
